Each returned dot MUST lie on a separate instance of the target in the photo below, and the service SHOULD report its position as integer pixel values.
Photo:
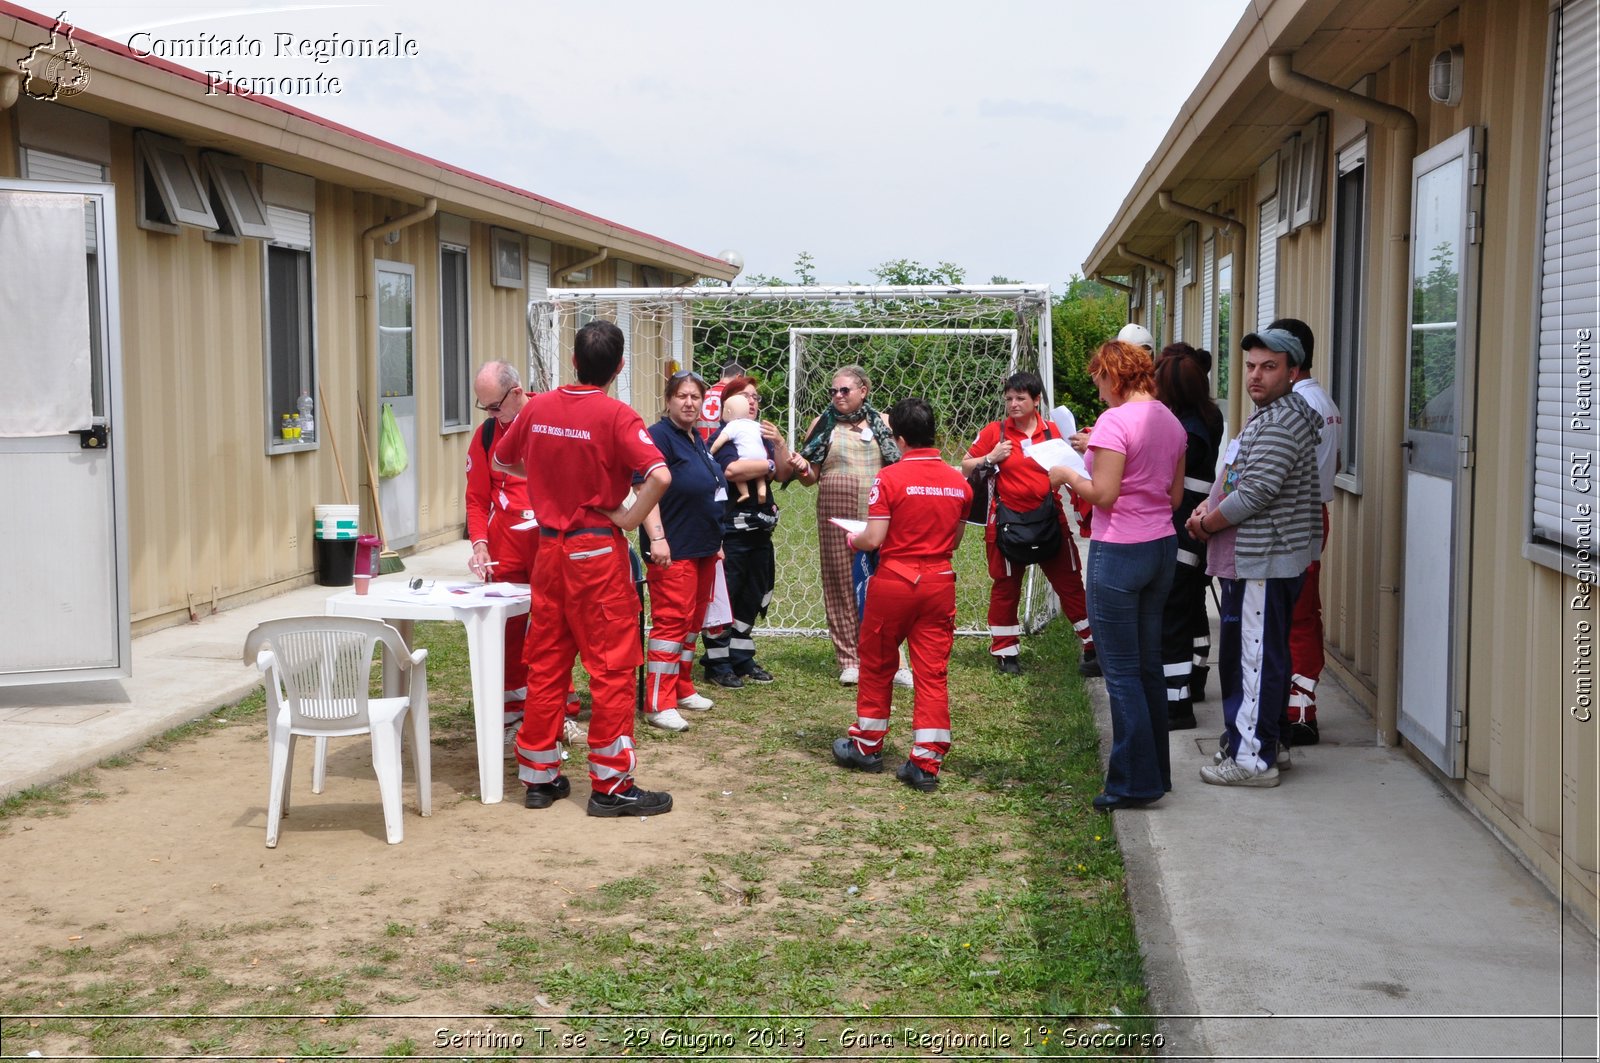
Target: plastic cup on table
(362, 583)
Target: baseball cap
(1276, 339)
(1137, 335)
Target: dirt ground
(179, 840)
(166, 865)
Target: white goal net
(954, 346)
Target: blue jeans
(1127, 585)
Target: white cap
(1139, 336)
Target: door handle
(1409, 444)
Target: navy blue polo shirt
(691, 513)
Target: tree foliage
(1082, 318)
(1085, 316)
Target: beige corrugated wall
(213, 518)
(1531, 768)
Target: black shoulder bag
(1033, 537)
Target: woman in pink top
(1135, 459)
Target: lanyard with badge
(721, 494)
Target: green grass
(822, 892)
(797, 602)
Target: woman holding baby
(748, 519)
(680, 541)
(844, 448)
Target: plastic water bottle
(308, 426)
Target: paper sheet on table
(1065, 421)
(488, 590)
(856, 526)
(1053, 452)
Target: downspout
(1392, 367)
(1233, 228)
(369, 316)
(1166, 271)
(579, 267)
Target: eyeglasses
(687, 374)
(833, 392)
(494, 407)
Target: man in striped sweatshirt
(1263, 525)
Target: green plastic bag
(392, 456)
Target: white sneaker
(850, 677)
(902, 678)
(697, 702)
(1231, 773)
(667, 721)
(572, 732)
(511, 742)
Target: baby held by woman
(740, 427)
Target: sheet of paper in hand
(1052, 452)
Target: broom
(388, 560)
(333, 440)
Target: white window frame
(1344, 375)
(458, 420)
(1288, 167)
(1562, 429)
(505, 248)
(234, 196)
(1310, 170)
(1267, 267)
(292, 232)
(163, 166)
(1186, 246)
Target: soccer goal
(954, 346)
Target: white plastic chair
(318, 670)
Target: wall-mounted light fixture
(1444, 76)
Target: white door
(1445, 223)
(397, 389)
(64, 613)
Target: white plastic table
(484, 617)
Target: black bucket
(336, 562)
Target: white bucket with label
(338, 522)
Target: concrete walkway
(179, 675)
(1357, 911)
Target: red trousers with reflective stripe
(1065, 573)
(922, 615)
(584, 605)
(514, 552)
(679, 596)
(1306, 636)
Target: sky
(1000, 137)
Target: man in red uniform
(916, 512)
(580, 450)
(497, 504)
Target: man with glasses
(497, 503)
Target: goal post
(953, 345)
